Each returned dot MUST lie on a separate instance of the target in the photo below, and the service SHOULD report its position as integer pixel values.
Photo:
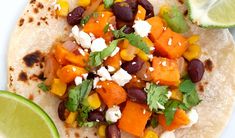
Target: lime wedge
(212, 13)
(21, 118)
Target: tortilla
(38, 28)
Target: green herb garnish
(170, 109)
(96, 58)
(108, 3)
(78, 94)
(87, 18)
(156, 95)
(134, 39)
(106, 28)
(175, 20)
(153, 122)
(43, 87)
(83, 112)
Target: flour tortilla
(219, 84)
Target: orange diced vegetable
(141, 13)
(111, 93)
(69, 72)
(114, 61)
(180, 119)
(97, 24)
(149, 44)
(171, 44)
(177, 95)
(58, 87)
(166, 71)
(157, 27)
(60, 52)
(134, 118)
(78, 60)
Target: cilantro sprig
(108, 3)
(78, 94)
(156, 95)
(43, 87)
(170, 109)
(134, 39)
(96, 58)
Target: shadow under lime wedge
(212, 13)
(21, 118)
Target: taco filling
(124, 69)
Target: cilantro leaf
(153, 122)
(96, 58)
(83, 112)
(85, 20)
(170, 109)
(187, 86)
(191, 99)
(43, 87)
(108, 3)
(106, 28)
(175, 20)
(78, 94)
(156, 95)
(134, 39)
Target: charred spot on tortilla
(95, 134)
(49, 8)
(185, 12)
(11, 80)
(38, 23)
(40, 5)
(23, 76)
(30, 19)
(32, 58)
(208, 65)
(31, 97)
(21, 22)
(11, 68)
(76, 134)
(181, 1)
(41, 76)
(201, 87)
(35, 10)
(32, 1)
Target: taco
(124, 69)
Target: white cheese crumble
(168, 134)
(85, 76)
(116, 50)
(78, 80)
(121, 77)
(104, 74)
(111, 69)
(142, 28)
(150, 57)
(96, 80)
(193, 118)
(113, 114)
(81, 51)
(81, 37)
(169, 41)
(98, 45)
(151, 69)
(169, 93)
(160, 106)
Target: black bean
(133, 4)
(137, 95)
(123, 11)
(147, 6)
(112, 131)
(61, 111)
(96, 116)
(128, 30)
(133, 66)
(75, 16)
(196, 70)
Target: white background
(9, 12)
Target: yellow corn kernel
(101, 8)
(94, 101)
(143, 55)
(101, 131)
(126, 56)
(149, 43)
(164, 9)
(150, 134)
(193, 39)
(84, 3)
(71, 118)
(63, 8)
(118, 1)
(58, 87)
(194, 51)
(176, 94)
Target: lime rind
(206, 23)
(35, 108)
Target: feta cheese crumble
(142, 28)
(98, 45)
(111, 69)
(116, 50)
(113, 114)
(168, 134)
(104, 74)
(96, 80)
(121, 77)
(78, 80)
(81, 37)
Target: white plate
(9, 12)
